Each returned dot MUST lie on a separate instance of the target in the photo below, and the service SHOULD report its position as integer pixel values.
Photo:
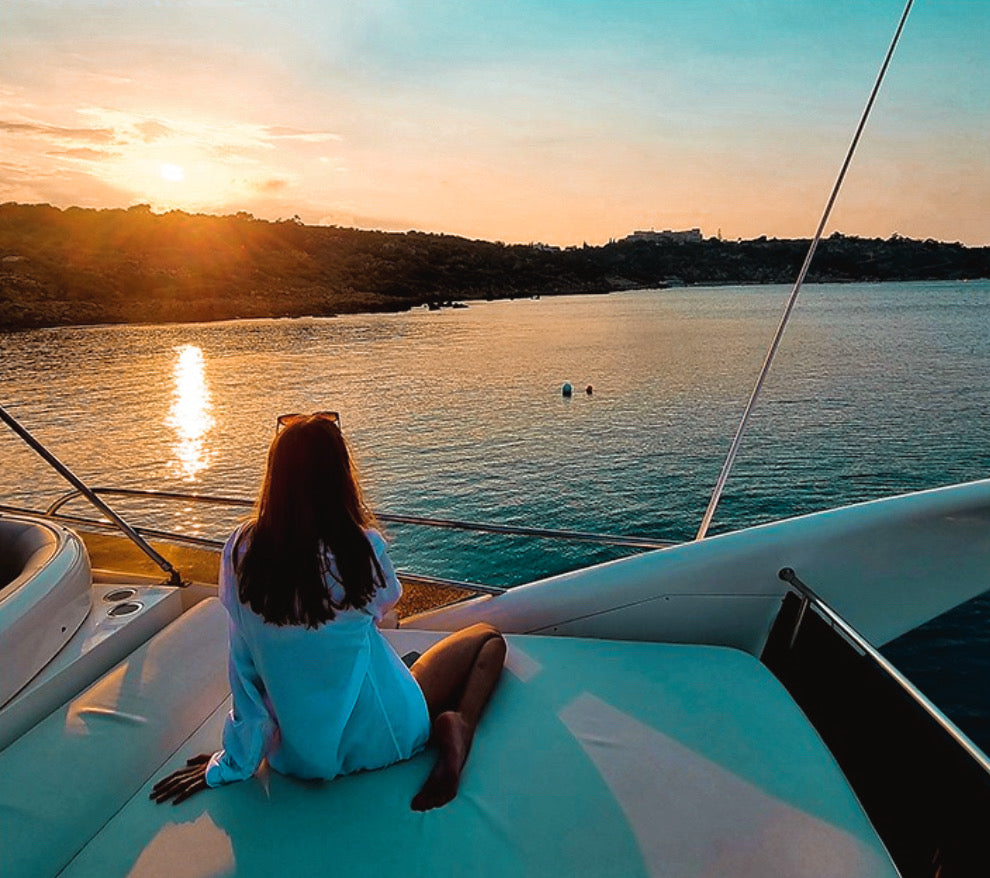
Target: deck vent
(124, 609)
(120, 594)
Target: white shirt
(318, 702)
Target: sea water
(878, 389)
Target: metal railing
(812, 600)
(616, 540)
(54, 512)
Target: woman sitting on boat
(317, 689)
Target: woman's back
(319, 701)
(316, 688)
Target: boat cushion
(24, 549)
(593, 758)
(62, 782)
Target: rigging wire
(792, 299)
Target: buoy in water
(566, 390)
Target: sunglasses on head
(284, 420)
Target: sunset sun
(172, 173)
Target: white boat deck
(594, 758)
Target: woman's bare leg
(457, 676)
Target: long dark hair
(310, 502)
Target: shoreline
(79, 267)
(456, 304)
(386, 308)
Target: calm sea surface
(878, 389)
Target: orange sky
(518, 121)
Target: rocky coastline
(81, 266)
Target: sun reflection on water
(189, 415)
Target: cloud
(282, 133)
(271, 186)
(86, 135)
(63, 187)
(239, 151)
(84, 153)
(152, 130)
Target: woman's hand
(182, 784)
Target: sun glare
(172, 173)
(190, 416)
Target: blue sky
(519, 121)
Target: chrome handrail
(106, 526)
(217, 545)
(619, 541)
(54, 512)
(548, 533)
(810, 598)
(69, 496)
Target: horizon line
(295, 218)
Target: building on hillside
(690, 236)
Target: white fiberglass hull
(887, 566)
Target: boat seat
(24, 549)
(108, 741)
(593, 758)
(45, 596)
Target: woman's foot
(452, 735)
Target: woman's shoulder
(233, 552)
(377, 539)
(238, 541)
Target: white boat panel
(887, 566)
(737, 621)
(103, 639)
(65, 778)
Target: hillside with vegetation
(79, 266)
